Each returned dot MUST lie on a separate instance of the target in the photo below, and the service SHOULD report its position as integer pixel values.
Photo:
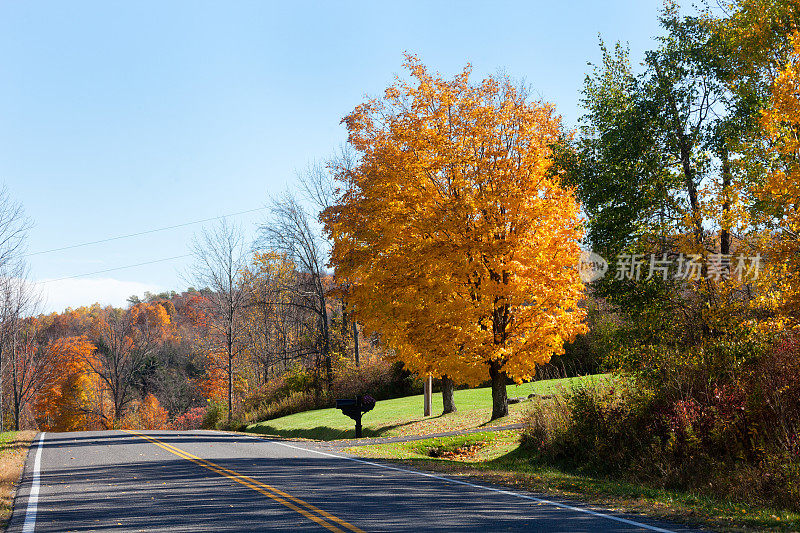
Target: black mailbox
(355, 408)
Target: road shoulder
(14, 448)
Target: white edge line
(473, 485)
(33, 497)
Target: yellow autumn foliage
(459, 243)
(781, 188)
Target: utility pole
(428, 395)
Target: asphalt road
(209, 481)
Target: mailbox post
(355, 408)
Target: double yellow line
(323, 518)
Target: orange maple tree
(69, 401)
(459, 243)
(213, 384)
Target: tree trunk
(317, 381)
(2, 416)
(344, 318)
(448, 403)
(117, 412)
(326, 338)
(230, 373)
(499, 395)
(355, 344)
(14, 379)
(230, 388)
(328, 373)
(685, 145)
(16, 410)
(724, 232)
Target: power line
(117, 268)
(109, 239)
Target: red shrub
(191, 419)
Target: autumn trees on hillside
(457, 241)
(124, 339)
(110, 367)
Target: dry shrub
(599, 428)
(379, 378)
(544, 422)
(735, 440)
(774, 403)
(296, 402)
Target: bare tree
(319, 188)
(317, 185)
(21, 348)
(219, 261)
(14, 226)
(291, 233)
(7, 331)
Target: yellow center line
(278, 495)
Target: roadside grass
(13, 449)
(495, 457)
(403, 416)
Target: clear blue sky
(118, 117)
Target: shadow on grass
(17, 442)
(496, 422)
(17, 445)
(321, 432)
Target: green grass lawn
(403, 416)
(496, 457)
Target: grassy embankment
(403, 416)
(13, 449)
(496, 457)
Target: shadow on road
(57, 440)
